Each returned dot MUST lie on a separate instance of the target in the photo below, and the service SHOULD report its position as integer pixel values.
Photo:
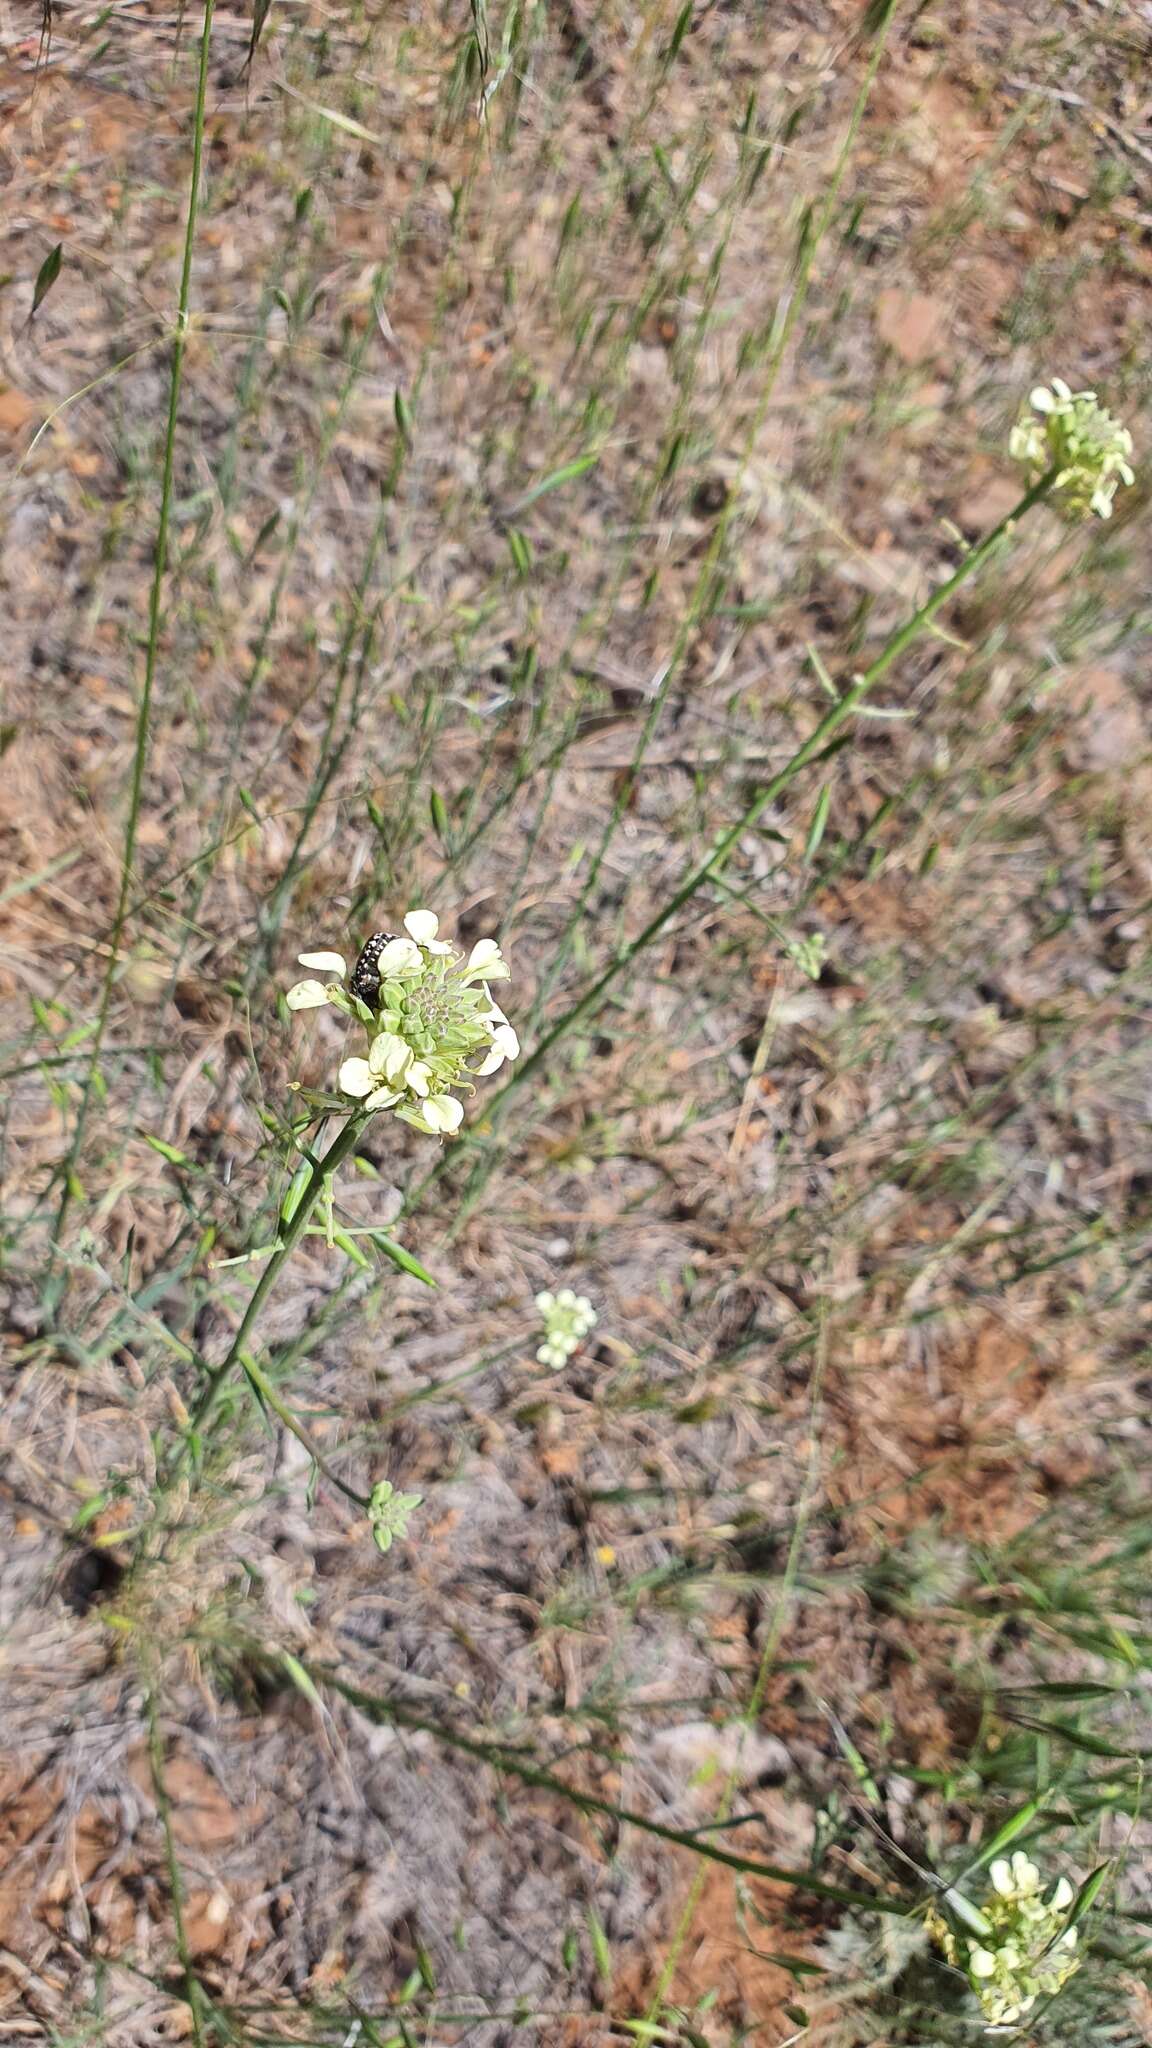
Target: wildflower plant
(1019, 1946)
(567, 1319)
(432, 1029)
(1072, 436)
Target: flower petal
(485, 963)
(417, 1077)
(307, 995)
(328, 963)
(399, 956)
(382, 1098)
(443, 1113)
(356, 1078)
(422, 925)
(389, 1056)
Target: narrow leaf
(683, 24)
(1088, 1893)
(261, 9)
(819, 822)
(439, 813)
(300, 1182)
(46, 277)
(167, 1151)
(601, 1948)
(301, 1679)
(401, 1258)
(1008, 1833)
(350, 1248)
(564, 475)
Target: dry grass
(509, 548)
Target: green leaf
(400, 408)
(301, 1181)
(46, 277)
(350, 1248)
(1078, 1739)
(1088, 1893)
(261, 9)
(92, 1507)
(795, 1965)
(1009, 1831)
(683, 24)
(819, 822)
(1070, 1689)
(401, 1258)
(167, 1151)
(439, 813)
(601, 1948)
(338, 120)
(859, 1768)
(301, 1679)
(552, 482)
(520, 551)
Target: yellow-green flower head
(1025, 1951)
(433, 1026)
(567, 1319)
(1072, 433)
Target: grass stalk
(156, 616)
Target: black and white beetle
(365, 981)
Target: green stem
(268, 1394)
(838, 715)
(192, 1991)
(338, 1151)
(155, 622)
(502, 1757)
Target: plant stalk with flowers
(1018, 1946)
(433, 1028)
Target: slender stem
(503, 1757)
(192, 1990)
(268, 1393)
(344, 1143)
(788, 310)
(155, 622)
(834, 718)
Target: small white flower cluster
(567, 1319)
(1074, 434)
(432, 1013)
(1026, 1952)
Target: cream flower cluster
(567, 1319)
(1026, 1951)
(432, 1027)
(1070, 432)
